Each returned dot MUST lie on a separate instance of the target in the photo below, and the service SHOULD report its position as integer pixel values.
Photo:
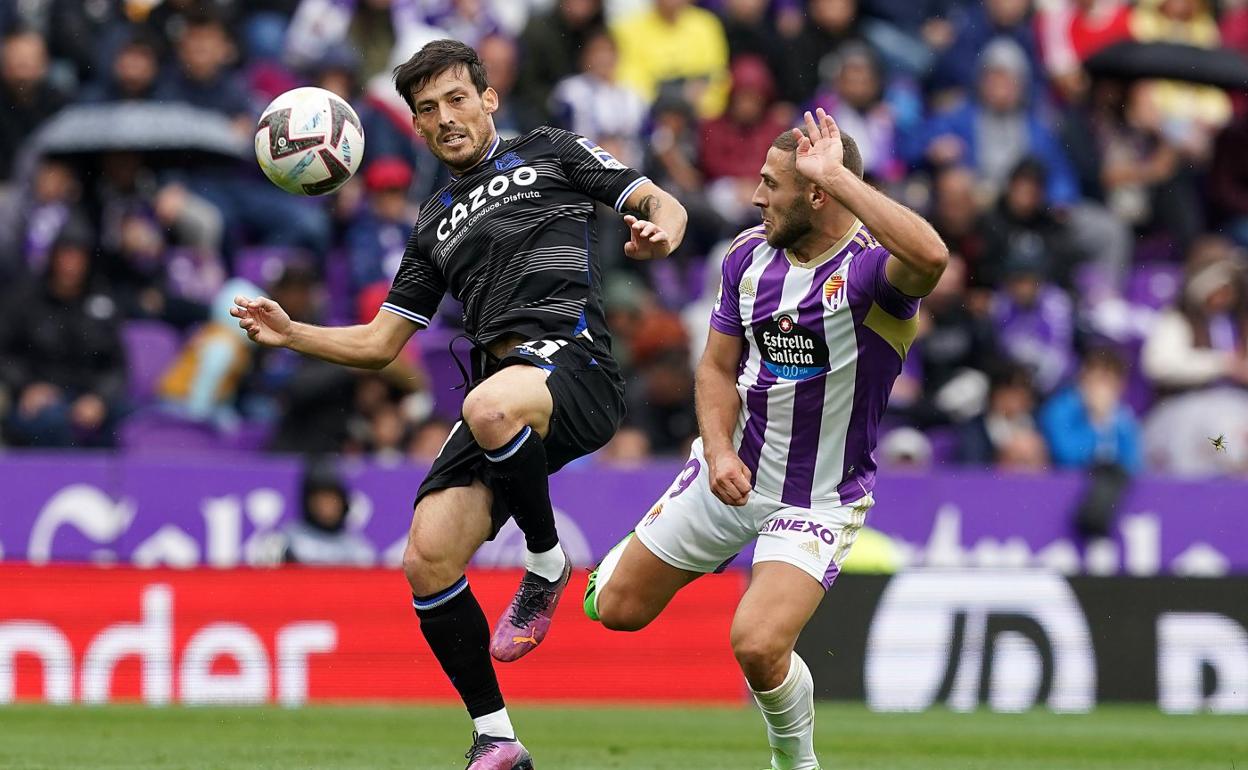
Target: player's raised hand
(263, 319)
(729, 478)
(820, 153)
(646, 240)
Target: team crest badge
(834, 292)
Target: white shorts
(692, 529)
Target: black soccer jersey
(514, 240)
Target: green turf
(850, 738)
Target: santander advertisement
(290, 635)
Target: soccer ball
(309, 142)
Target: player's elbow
(933, 259)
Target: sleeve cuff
(416, 318)
(724, 327)
(638, 182)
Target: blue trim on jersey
(493, 147)
(583, 323)
(405, 313)
(619, 202)
(510, 448)
(488, 154)
(442, 597)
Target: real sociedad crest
(834, 292)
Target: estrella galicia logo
(446, 199)
(791, 351)
(508, 161)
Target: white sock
(547, 564)
(607, 566)
(789, 711)
(496, 725)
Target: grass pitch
(850, 738)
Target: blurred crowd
(1094, 313)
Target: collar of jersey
(489, 154)
(837, 248)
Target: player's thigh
(814, 540)
(777, 605)
(516, 395)
(641, 586)
(690, 528)
(448, 526)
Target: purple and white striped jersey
(824, 342)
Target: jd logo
(1009, 640)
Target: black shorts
(588, 408)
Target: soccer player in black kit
(513, 237)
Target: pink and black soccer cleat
(525, 623)
(489, 753)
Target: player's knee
(426, 572)
(759, 652)
(619, 611)
(490, 417)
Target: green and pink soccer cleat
(489, 753)
(527, 621)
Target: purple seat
(153, 430)
(944, 440)
(262, 265)
(338, 285)
(151, 346)
(1154, 285)
(1139, 393)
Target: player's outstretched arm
(718, 404)
(656, 222)
(367, 346)
(919, 255)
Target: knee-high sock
(520, 473)
(457, 632)
(789, 711)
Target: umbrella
(142, 127)
(1171, 61)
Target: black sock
(456, 630)
(520, 473)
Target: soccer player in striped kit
(817, 309)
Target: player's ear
(816, 196)
(489, 97)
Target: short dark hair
(432, 60)
(852, 159)
(1010, 374)
(1106, 358)
(205, 17)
